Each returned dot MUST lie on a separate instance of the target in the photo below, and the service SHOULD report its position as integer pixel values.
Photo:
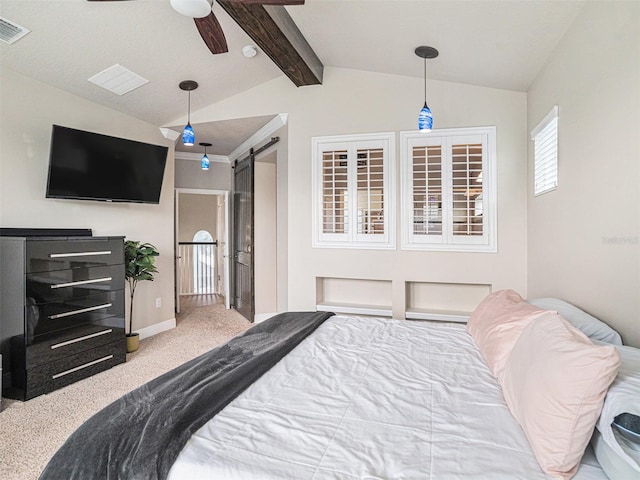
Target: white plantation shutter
(448, 183)
(545, 153)
(370, 178)
(334, 192)
(427, 189)
(352, 186)
(466, 167)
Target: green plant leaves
(139, 260)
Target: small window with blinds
(448, 190)
(545, 153)
(352, 183)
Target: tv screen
(91, 166)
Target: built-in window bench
(434, 301)
(354, 296)
(354, 309)
(440, 301)
(439, 315)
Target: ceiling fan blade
(211, 32)
(271, 2)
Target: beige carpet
(31, 432)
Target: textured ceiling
(499, 44)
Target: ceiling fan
(207, 23)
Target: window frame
(353, 239)
(447, 241)
(550, 162)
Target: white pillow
(613, 464)
(589, 325)
(623, 397)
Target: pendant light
(204, 163)
(188, 135)
(425, 117)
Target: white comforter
(369, 398)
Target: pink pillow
(554, 383)
(496, 325)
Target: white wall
(188, 174)
(265, 223)
(352, 101)
(584, 237)
(28, 110)
(195, 213)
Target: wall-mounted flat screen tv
(91, 166)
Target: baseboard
(261, 317)
(156, 328)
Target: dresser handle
(82, 310)
(81, 282)
(78, 254)
(75, 369)
(80, 339)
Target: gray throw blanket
(140, 435)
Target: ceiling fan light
(204, 163)
(425, 119)
(192, 8)
(188, 136)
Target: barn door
(243, 238)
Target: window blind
(334, 189)
(370, 181)
(545, 146)
(427, 190)
(466, 167)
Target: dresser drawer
(94, 309)
(46, 256)
(65, 285)
(50, 348)
(48, 377)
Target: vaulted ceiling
(499, 43)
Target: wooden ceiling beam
(275, 32)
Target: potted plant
(139, 259)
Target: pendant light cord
(189, 107)
(425, 81)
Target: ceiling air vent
(11, 32)
(118, 79)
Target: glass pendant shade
(425, 119)
(204, 163)
(188, 136)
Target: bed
(319, 396)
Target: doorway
(243, 237)
(201, 247)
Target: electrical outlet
(158, 302)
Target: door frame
(227, 239)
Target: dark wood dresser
(61, 310)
